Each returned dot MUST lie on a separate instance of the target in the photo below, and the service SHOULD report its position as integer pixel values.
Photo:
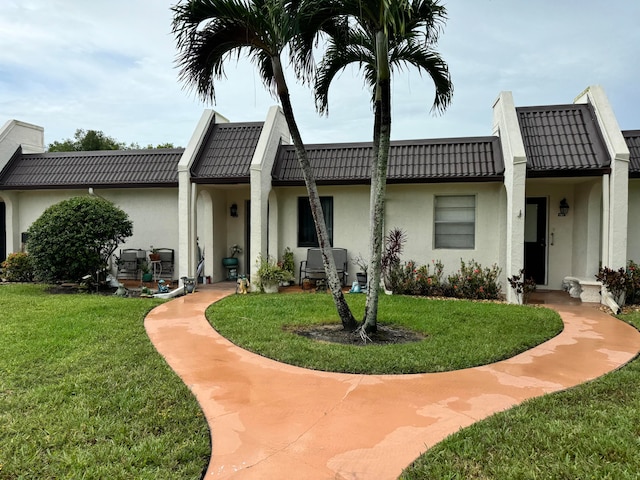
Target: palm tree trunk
(378, 191)
(346, 317)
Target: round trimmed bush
(76, 237)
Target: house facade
(494, 199)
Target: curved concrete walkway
(269, 420)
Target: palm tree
(209, 32)
(380, 36)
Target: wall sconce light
(564, 208)
(233, 210)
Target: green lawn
(588, 432)
(83, 393)
(459, 334)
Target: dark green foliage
(75, 237)
(18, 268)
(88, 140)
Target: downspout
(606, 257)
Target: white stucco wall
(633, 243)
(153, 211)
(409, 207)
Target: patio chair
(313, 269)
(128, 263)
(167, 256)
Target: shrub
(474, 282)
(18, 268)
(623, 283)
(76, 237)
(616, 282)
(633, 283)
(408, 279)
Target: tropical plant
(522, 286)
(209, 32)
(381, 36)
(76, 237)
(616, 282)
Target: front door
(3, 232)
(535, 240)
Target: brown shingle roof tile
(458, 159)
(632, 137)
(227, 152)
(109, 168)
(562, 140)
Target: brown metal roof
(411, 161)
(632, 138)
(562, 140)
(106, 169)
(226, 153)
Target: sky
(109, 65)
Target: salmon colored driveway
(271, 421)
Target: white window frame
(448, 217)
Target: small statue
(162, 287)
(243, 284)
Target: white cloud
(109, 65)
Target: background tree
(380, 36)
(86, 140)
(76, 237)
(209, 32)
(93, 140)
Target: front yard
(83, 393)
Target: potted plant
(270, 274)
(154, 256)
(147, 276)
(232, 261)
(363, 265)
(288, 263)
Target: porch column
(187, 197)
(274, 133)
(614, 240)
(506, 126)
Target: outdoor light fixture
(233, 210)
(564, 208)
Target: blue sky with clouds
(109, 65)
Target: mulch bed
(386, 335)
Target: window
(306, 228)
(455, 221)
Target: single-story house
(550, 190)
